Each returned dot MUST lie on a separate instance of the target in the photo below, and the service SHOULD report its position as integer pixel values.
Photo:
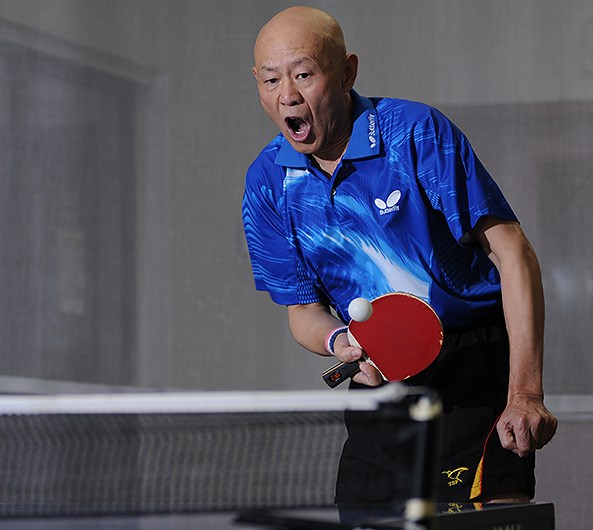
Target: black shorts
(471, 375)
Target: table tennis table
(535, 516)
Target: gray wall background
(127, 126)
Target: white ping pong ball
(360, 309)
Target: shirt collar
(364, 141)
(366, 138)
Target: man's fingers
(346, 352)
(517, 440)
(544, 431)
(522, 438)
(368, 375)
(507, 437)
(550, 427)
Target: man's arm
(526, 424)
(310, 324)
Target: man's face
(301, 88)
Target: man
(317, 240)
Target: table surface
(490, 517)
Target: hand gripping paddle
(399, 333)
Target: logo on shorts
(389, 205)
(454, 475)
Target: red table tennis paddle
(400, 335)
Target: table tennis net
(167, 453)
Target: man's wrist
(525, 395)
(330, 340)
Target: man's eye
(271, 81)
(304, 75)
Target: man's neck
(331, 158)
(329, 166)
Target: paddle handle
(338, 373)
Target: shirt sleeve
(275, 264)
(455, 180)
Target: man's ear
(350, 71)
(254, 72)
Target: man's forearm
(523, 303)
(523, 300)
(310, 324)
(526, 424)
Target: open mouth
(299, 129)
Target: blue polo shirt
(394, 217)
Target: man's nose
(290, 95)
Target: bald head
(304, 78)
(304, 24)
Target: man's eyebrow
(267, 68)
(293, 64)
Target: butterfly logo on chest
(390, 204)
